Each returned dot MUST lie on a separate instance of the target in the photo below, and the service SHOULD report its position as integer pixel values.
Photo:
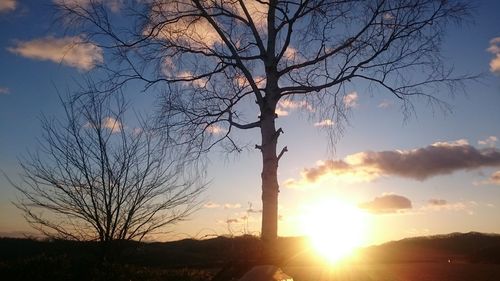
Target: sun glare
(334, 228)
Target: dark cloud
(437, 202)
(422, 163)
(387, 203)
(336, 166)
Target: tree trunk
(270, 188)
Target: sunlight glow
(335, 229)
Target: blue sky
(461, 198)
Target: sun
(334, 228)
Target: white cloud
(324, 123)
(495, 64)
(211, 205)
(290, 54)
(495, 50)
(109, 123)
(385, 104)
(4, 91)
(7, 5)
(281, 112)
(494, 45)
(214, 205)
(285, 106)
(193, 31)
(489, 141)
(242, 81)
(112, 124)
(190, 77)
(494, 179)
(232, 206)
(351, 100)
(215, 129)
(256, 9)
(71, 51)
(290, 104)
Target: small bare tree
(94, 178)
(220, 64)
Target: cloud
(112, 124)
(190, 77)
(437, 202)
(351, 100)
(385, 104)
(286, 105)
(7, 5)
(214, 205)
(242, 81)
(4, 91)
(437, 205)
(291, 54)
(71, 51)
(324, 123)
(495, 50)
(489, 141)
(494, 179)
(440, 158)
(109, 123)
(290, 104)
(215, 129)
(193, 31)
(232, 206)
(211, 205)
(281, 112)
(387, 203)
(258, 10)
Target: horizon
(38, 237)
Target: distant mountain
(216, 252)
(454, 247)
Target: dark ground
(454, 257)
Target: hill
(455, 247)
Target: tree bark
(270, 187)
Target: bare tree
(94, 178)
(220, 63)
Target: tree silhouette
(94, 178)
(220, 64)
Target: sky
(432, 173)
